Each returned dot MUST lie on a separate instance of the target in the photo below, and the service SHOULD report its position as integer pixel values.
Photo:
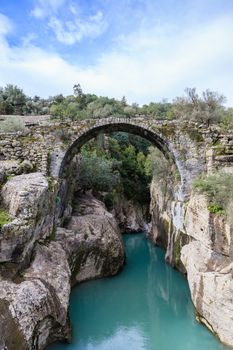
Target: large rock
(209, 267)
(92, 241)
(131, 216)
(33, 309)
(8, 168)
(24, 194)
(31, 205)
(210, 229)
(210, 278)
(34, 312)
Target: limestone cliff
(130, 215)
(198, 243)
(167, 215)
(208, 262)
(32, 206)
(35, 306)
(40, 262)
(34, 295)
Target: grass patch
(216, 209)
(4, 218)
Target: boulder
(31, 205)
(34, 311)
(92, 241)
(210, 278)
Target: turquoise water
(146, 307)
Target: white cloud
(145, 66)
(5, 25)
(44, 8)
(75, 26)
(72, 31)
(38, 12)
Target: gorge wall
(199, 244)
(40, 261)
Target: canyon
(57, 238)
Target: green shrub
(4, 218)
(12, 124)
(216, 209)
(219, 189)
(109, 200)
(97, 173)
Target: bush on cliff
(219, 189)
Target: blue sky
(146, 50)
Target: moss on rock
(4, 217)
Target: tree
(207, 108)
(124, 101)
(58, 98)
(78, 92)
(97, 173)
(15, 97)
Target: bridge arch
(132, 126)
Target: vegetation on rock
(4, 217)
(219, 189)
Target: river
(146, 307)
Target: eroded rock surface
(209, 267)
(94, 233)
(34, 307)
(198, 243)
(31, 206)
(131, 216)
(37, 306)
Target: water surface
(146, 307)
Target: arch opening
(156, 140)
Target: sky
(146, 50)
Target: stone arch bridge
(39, 203)
(50, 146)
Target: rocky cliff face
(130, 216)
(34, 296)
(92, 240)
(208, 262)
(36, 305)
(199, 244)
(167, 214)
(40, 262)
(31, 206)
